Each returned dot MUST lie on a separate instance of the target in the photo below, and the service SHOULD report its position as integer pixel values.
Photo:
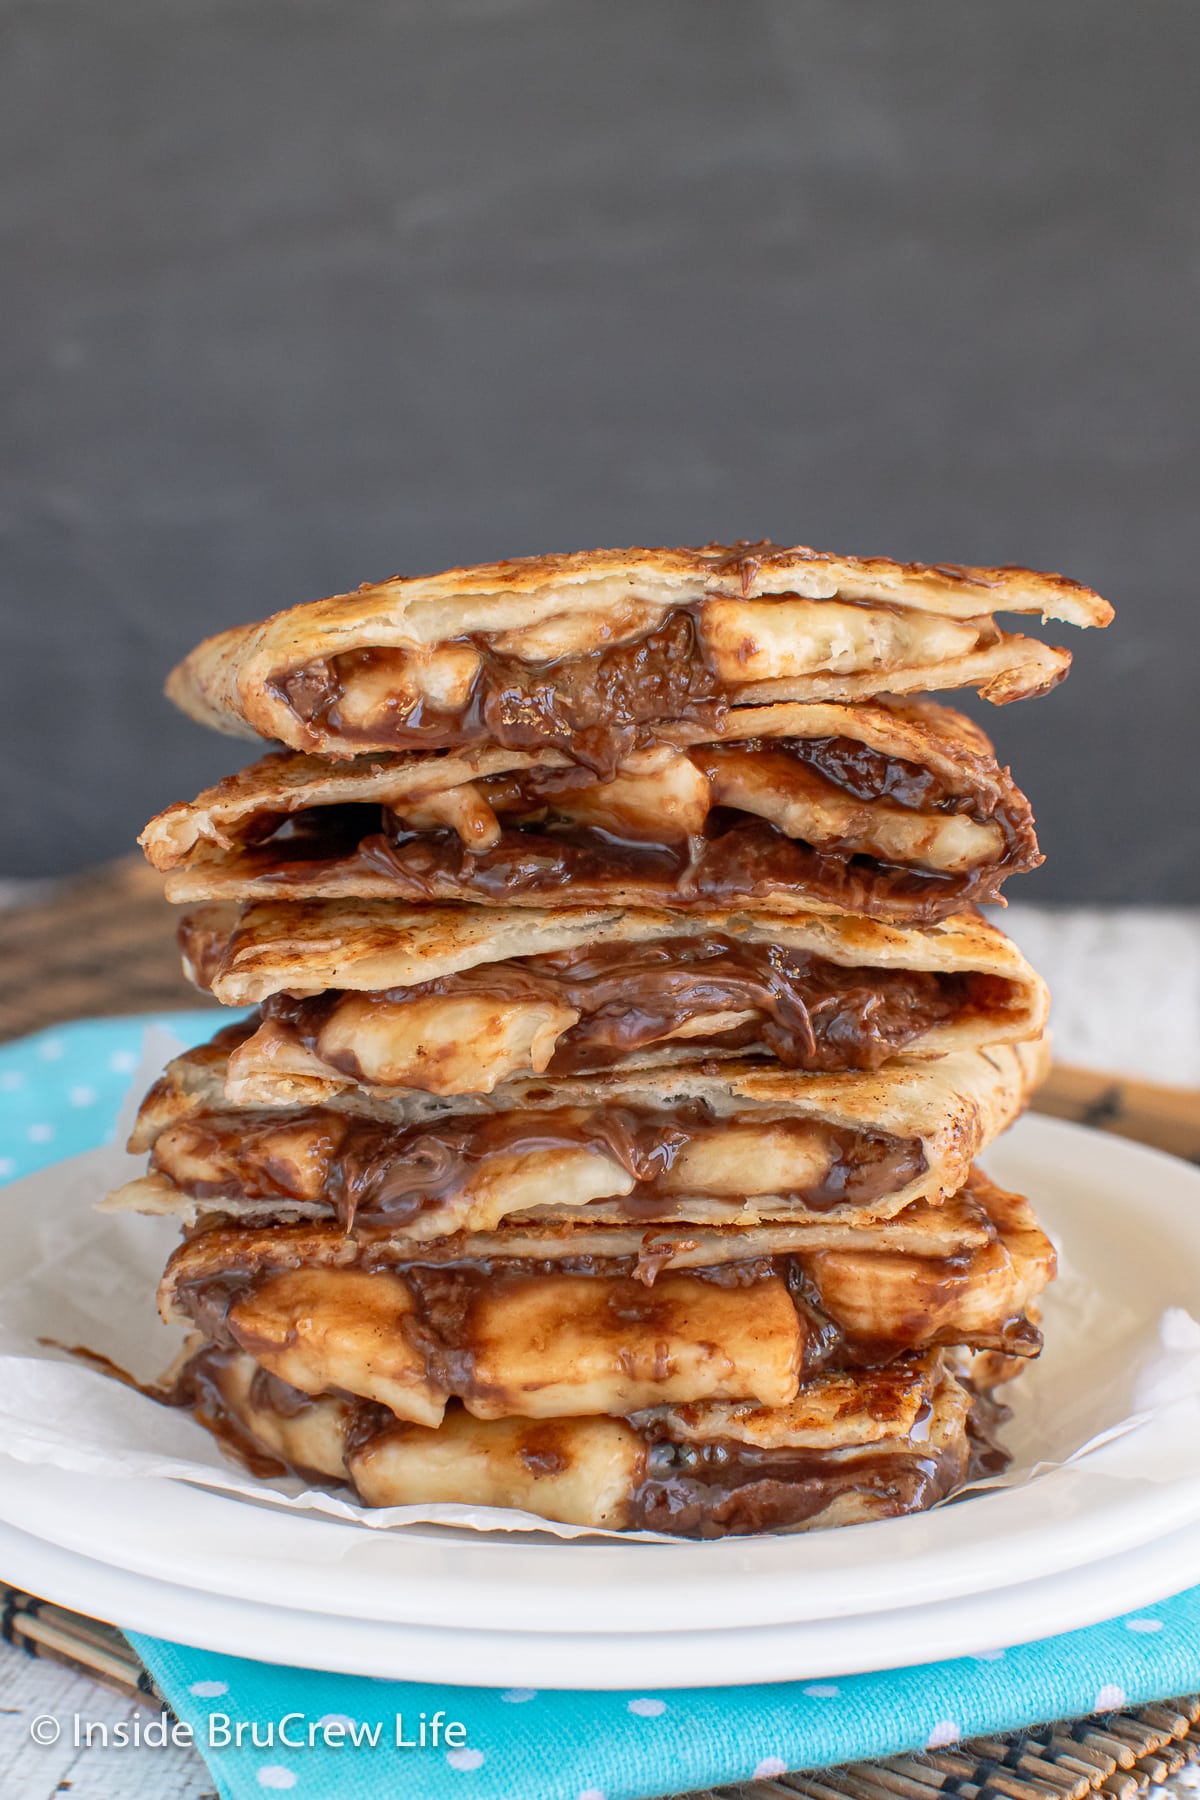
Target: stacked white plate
(1063, 1550)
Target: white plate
(1114, 1204)
(976, 1626)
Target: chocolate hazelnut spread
(721, 1488)
(442, 1323)
(811, 1013)
(368, 1171)
(538, 847)
(199, 1389)
(713, 1488)
(724, 1489)
(736, 859)
(596, 706)
(872, 775)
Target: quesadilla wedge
(897, 811)
(731, 1143)
(492, 1320)
(847, 1448)
(455, 1000)
(587, 653)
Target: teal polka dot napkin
(59, 1094)
(520, 1744)
(60, 1090)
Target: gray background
(298, 294)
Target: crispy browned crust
(307, 947)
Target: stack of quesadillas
(600, 1136)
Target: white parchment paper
(1117, 1390)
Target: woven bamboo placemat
(105, 943)
(102, 943)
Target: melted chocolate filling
(198, 1388)
(369, 1171)
(446, 1293)
(809, 1012)
(596, 706)
(723, 1488)
(718, 1488)
(737, 856)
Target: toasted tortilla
(835, 1410)
(764, 623)
(945, 827)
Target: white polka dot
(40, 1134)
(83, 1096)
(590, 1794)
(1143, 1624)
(1109, 1699)
(770, 1765)
(7, 1166)
(464, 1759)
(337, 1719)
(122, 1062)
(274, 1775)
(518, 1696)
(53, 1050)
(208, 1690)
(989, 1656)
(11, 1080)
(648, 1709)
(944, 1732)
(823, 1690)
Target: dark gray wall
(300, 294)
